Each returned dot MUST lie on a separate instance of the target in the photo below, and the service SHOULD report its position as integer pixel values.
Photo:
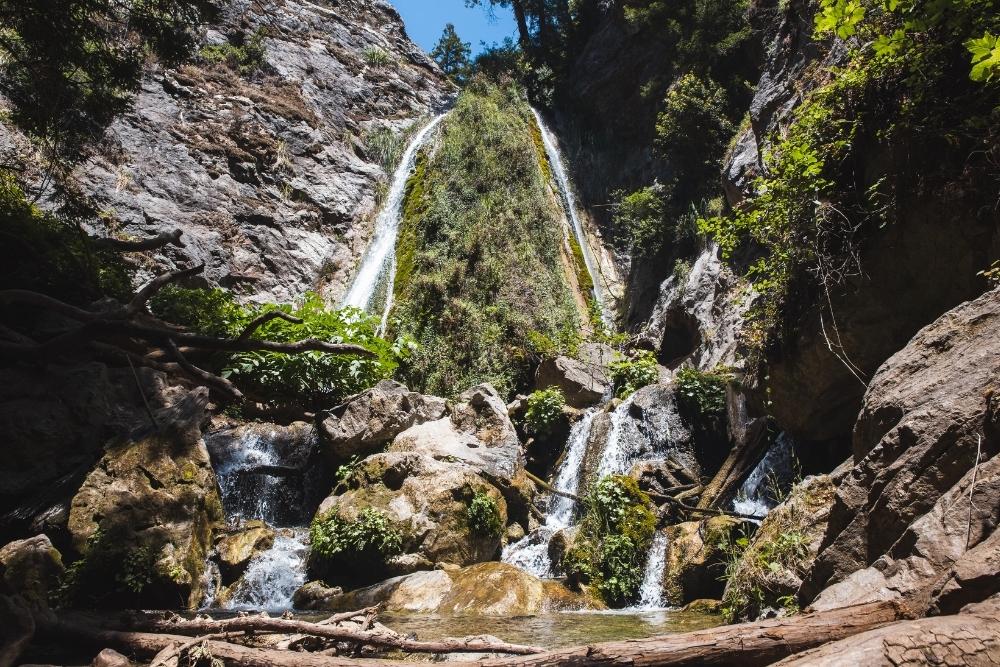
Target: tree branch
(138, 302)
(213, 381)
(264, 319)
(152, 243)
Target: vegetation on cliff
(480, 273)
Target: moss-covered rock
(235, 550)
(31, 568)
(143, 519)
(485, 589)
(695, 562)
(767, 570)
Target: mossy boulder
(143, 519)
(695, 561)
(31, 568)
(485, 589)
(235, 550)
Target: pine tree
(452, 54)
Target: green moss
(483, 514)
(580, 264)
(543, 156)
(480, 278)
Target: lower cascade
(651, 593)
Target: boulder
(143, 518)
(234, 550)
(427, 500)
(33, 569)
(371, 420)
(695, 561)
(486, 589)
(902, 513)
(584, 382)
(110, 658)
(770, 569)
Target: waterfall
(378, 267)
(759, 493)
(264, 474)
(576, 226)
(651, 593)
(624, 446)
(532, 552)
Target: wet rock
(703, 607)
(696, 558)
(316, 595)
(235, 550)
(371, 420)
(770, 568)
(902, 512)
(32, 569)
(486, 589)
(143, 518)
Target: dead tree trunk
(740, 462)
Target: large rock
(273, 176)
(584, 381)
(903, 510)
(143, 518)
(426, 500)
(235, 549)
(695, 560)
(32, 569)
(770, 569)
(371, 420)
(486, 589)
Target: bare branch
(213, 381)
(48, 303)
(152, 243)
(264, 319)
(138, 302)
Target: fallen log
(746, 645)
(368, 638)
(738, 465)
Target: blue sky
(425, 19)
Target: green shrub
(639, 219)
(545, 407)
(108, 574)
(246, 55)
(701, 395)
(385, 147)
(631, 375)
(611, 547)
(315, 377)
(484, 516)
(368, 540)
(377, 58)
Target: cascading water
(377, 274)
(576, 226)
(265, 477)
(758, 494)
(532, 553)
(651, 593)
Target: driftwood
(130, 332)
(741, 461)
(142, 245)
(746, 645)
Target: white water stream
(377, 274)
(576, 226)
(651, 593)
(759, 493)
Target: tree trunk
(740, 462)
(524, 36)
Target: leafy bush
(245, 55)
(315, 377)
(639, 219)
(367, 540)
(108, 574)
(702, 396)
(545, 407)
(631, 375)
(484, 516)
(386, 147)
(615, 534)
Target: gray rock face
(371, 420)
(268, 174)
(698, 315)
(901, 524)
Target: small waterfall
(759, 493)
(378, 267)
(569, 204)
(651, 593)
(265, 474)
(624, 447)
(531, 553)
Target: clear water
(273, 577)
(569, 204)
(651, 593)
(377, 274)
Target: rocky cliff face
(271, 171)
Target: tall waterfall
(569, 204)
(378, 267)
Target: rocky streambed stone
(486, 589)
